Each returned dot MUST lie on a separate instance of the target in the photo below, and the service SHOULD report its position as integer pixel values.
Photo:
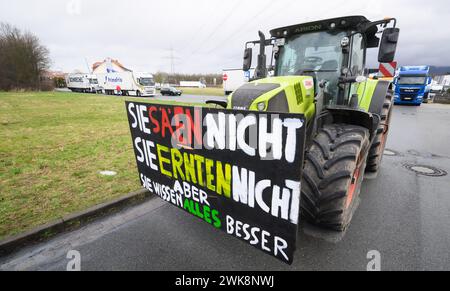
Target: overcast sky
(207, 35)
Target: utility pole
(172, 65)
(87, 65)
(172, 59)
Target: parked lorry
(412, 85)
(192, 84)
(437, 88)
(83, 83)
(319, 72)
(128, 84)
(235, 78)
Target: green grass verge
(204, 91)
(52, 147)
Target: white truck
(436, 88)
(235, 78)
(83, 83)
(128, 84)
(192, 84)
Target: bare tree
(22, 59)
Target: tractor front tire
(332, 176)
(379, 144)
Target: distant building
(50, 79)
(53, 74)
(108, 66)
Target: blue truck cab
(412, 85)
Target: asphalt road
(184, 98)
(402, 215)
(188, 98)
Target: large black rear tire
(379, 144)
(333, 173)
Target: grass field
(52, 147)
(204, 92)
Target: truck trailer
(235, 78)
(83, 83)
(412, 85)
(192, 84)
(128, 84)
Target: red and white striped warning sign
(387, 70)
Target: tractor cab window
(318, 54)
(358, 55)
(357, 60)
(310, 52)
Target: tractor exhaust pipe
(261, 70)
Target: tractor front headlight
(261, 106)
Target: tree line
(176, 78)
(22, 59)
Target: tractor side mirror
(248, 54)
(388, 45)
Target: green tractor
(318, 70)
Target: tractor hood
(293, 94)
(244, 97)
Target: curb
(71, 222)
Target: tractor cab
(322, 55)
(332, 52)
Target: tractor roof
(357, 23)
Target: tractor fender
(351, 116)
(379, 96)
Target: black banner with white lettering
(238, 171)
